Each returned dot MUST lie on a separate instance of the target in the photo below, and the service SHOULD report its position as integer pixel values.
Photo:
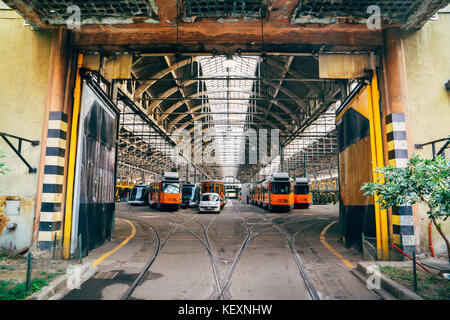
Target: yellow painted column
(377, 162)
(374, 167)
(72, 158)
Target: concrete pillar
(397, 139)
(49, 198)
(281, 158)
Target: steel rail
(206, 244)
(227, 278)
(158, 248)
(304, 273)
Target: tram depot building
(98, 96)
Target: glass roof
(321, 127)
(228, 104)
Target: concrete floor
(241, 253)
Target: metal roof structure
(409, 14)
(223, 70)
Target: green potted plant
(422, 181)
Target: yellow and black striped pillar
(51, 216)
(402, 216)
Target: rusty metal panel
(16, 223)
(95, 11)
(343, 66)
(410, 14)
(91, 61)
(119, 67)
(192, 9)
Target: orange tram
(165, 193)
(302, 195)
(276, 193)
(214, 186)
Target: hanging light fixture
(229, 62)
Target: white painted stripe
(56, 143)
(52, 197)
(398, 126)
(53, 179)
(54, 161)
(51, 216)
(48, 235)
(408, 240)
(406, 221)
(57, 124)
(401, 144)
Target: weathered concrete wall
(428, 69)
(24, 65)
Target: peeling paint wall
(16, 223)
(24, 66)
(427, 70)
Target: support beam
(278, 86)
(213, 32)
(163, 73)
(49, 202)
(397, 139)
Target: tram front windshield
(137, 194)
(170, 187)
(301, 189)
(281, 187)
(188, 192)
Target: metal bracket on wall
(18, 150)
(433, 146)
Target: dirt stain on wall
(4, 220)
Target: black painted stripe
(352, 128)
(396, 135)
(395, 117)
(57, 133)
(45, 245)
(54, 170)
(403, 230)
(52, 188)
(402, 210)
(398, 154)
(55, 151)
(50, 225)
(58, 116)
(50, 207)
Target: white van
(209, 202)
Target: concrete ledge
(379, 293)
(392, 287)
(59, 287)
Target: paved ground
(244, 252)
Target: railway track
(158, 248)
(290, 241)
(223, 282)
